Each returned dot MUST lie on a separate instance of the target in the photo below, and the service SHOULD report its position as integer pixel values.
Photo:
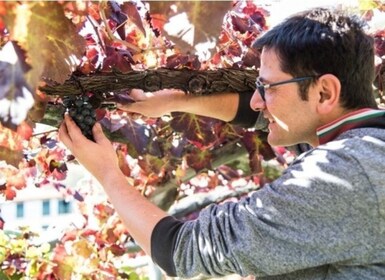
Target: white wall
(33, 197)
(33, 215)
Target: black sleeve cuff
(163, 240)
(245, 116)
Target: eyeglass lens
(261, 88)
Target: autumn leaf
(191, 22)
(83, 248)
(10, 181)
(9, 193)
(365, 5)
(258, 148)
(65, 263)
(12, 157)
(11, 148)
(130, 9)
(50, 39)
(117, 250)
(198, 130)
(118, 59)
(138, 135)
(123, 165)
(153, 165)
(199, 160)
(116, 14)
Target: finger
(73, 129)
(74, 132)
(134, 116)
(64, 136)
(136, 94)
(98, 133)
(131, 108)
(123, 107)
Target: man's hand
(94, 156)
(154, 104)
(99, 158)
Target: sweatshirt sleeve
(245, 116)
(307, 218)
(162, 243)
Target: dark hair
(321, 41)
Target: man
(324, 218)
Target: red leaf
(24, 130)
(130, 9)
(255, 143)
(235, 49)
(64, 263)
(2, 222)
(175, 60)
(201, 131)
(251, 58)
(117, 59)
(10, 139)
(17, 181)
(10, 194)
(156, 22)
(119, 17)
(138, 135)
(123, 165)
(117, 250)
(111, 236)
(93, 10)
(179, 60)
(379, 42)
(89, 232)
(70, 235)
(240, 23)
(100, 114)
(199, 160)
(58, 175)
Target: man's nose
(256, 102)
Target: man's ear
(329, 90)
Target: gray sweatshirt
(324, 218)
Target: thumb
(98, 133)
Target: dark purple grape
(82, 112)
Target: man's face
(291, 119)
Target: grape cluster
(82, 112)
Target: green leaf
(12, 277)
(3, 254)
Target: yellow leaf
(23, 16)
(50, 39)
(4, 239)
(365, 5)
(83, 248)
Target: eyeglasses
(261, 87)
